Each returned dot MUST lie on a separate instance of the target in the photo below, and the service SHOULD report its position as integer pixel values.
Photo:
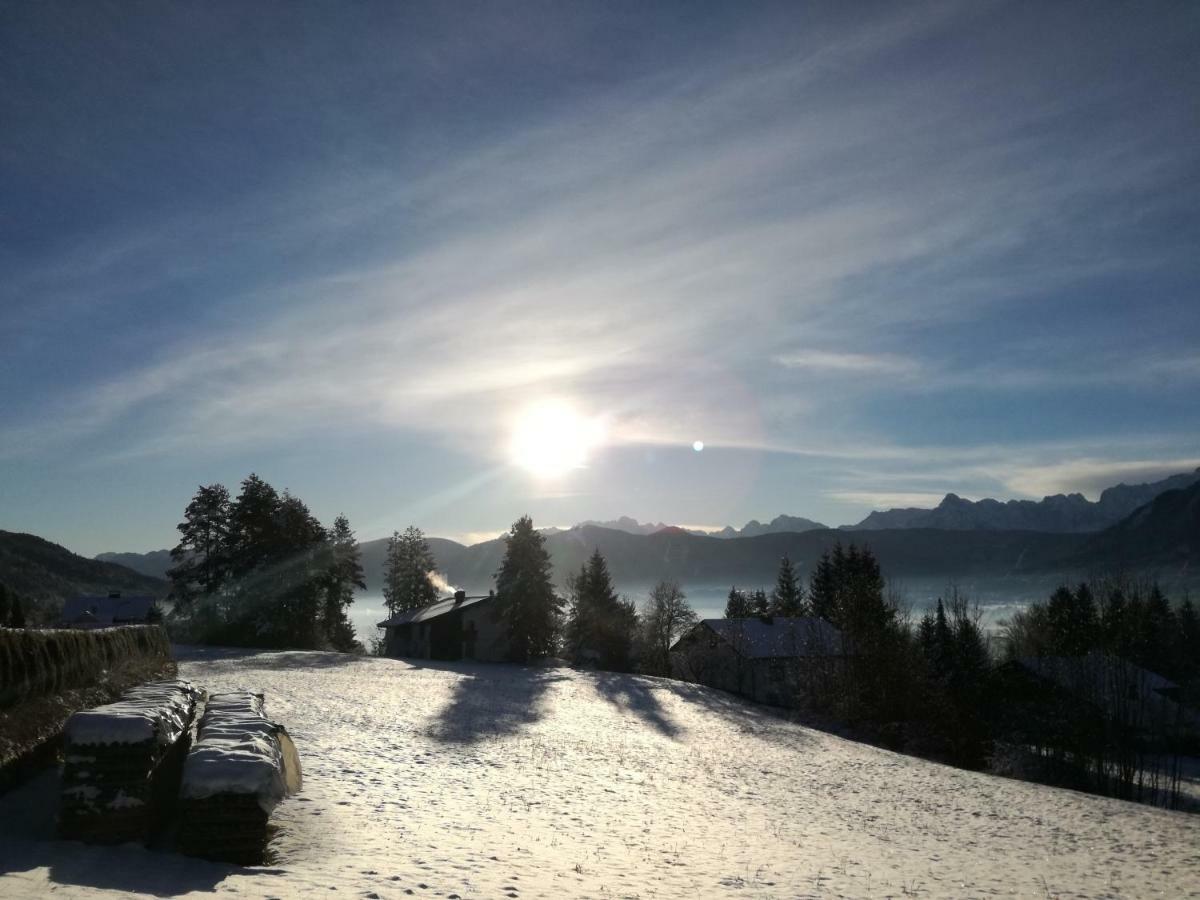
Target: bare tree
(666, 615)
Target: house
(781, 661)
(1114, 689)
(459, 627)
(90, 611)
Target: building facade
(459, 627)
(779, 661)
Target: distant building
(1114, 689)
(781, 661)
(103, 612)
(459, 627)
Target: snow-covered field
(475, 780)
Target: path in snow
(476, 780)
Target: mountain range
(957, 540)
(1066, 513)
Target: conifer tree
(406, 583)
(787, 599)
(16, 611)
(202, 555)
(737, 606)
(527, 603)
(759, 604)
(345, 573)
(4, 606)
(600, 626)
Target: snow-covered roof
(778, 636)
(107, 610)
(1095, 668)
(432, 611)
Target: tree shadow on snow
(490, 700)
(636, 694)
(769, 723)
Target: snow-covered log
(240, 767)
(123, 762)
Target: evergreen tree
(254, 538)
(600, 626)
(738, 605)
(406, 583)
(788, 597)
(202, 555)
(665, 618)
(16, 611)
(759, 604)
(4, 606)
(823, 584)
(528, 605)
(345, 573)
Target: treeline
(1100, 690)
(591, 626)
(1096, 688)
(260, 570)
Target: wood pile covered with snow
(123, 761)
(241, 766)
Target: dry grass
(47, 675)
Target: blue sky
(866, 254)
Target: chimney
(459, 597)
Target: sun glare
(552, 438)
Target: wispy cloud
(686, 253)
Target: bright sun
(552, 438)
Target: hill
(47, 573)
(486, 780)
(1066, 513)
(155, 563)
(636, 559)
(1165, 532)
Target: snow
(476, 780)
(158, 711)
(236, 751)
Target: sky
(446, 264)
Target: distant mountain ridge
(1060, 513)
(1164, 532)
(48, 574)
(779, 524)
(959, 542)
(154, 564)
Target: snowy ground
(475, 780)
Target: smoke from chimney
(440, 583)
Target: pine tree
(823, 586)
(738, 605)
(759, 604)
(406, 583)
(16, 612)
(4, 606)
(665, 618)
(202, 555)
(254, 537)
(600, 626)
(528, 605)
(345, 573)
(788, 597)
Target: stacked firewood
(238, 770)
(123, 763)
